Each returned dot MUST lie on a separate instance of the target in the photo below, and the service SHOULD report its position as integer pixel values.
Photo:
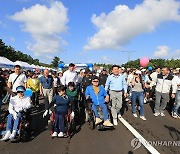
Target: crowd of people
(64, 89)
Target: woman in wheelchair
(17, 104)
(62, 102)
(98, 96)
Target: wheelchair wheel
(73, 126)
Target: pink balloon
(144, 61)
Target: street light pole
(129, 54)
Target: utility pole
(129, 55)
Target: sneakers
(142, 117)
(13, 135)
(135, 115)
(119, 116)
(115, 122)
(175, 115)
(98, 120)
(107, 123)
(145, 100)
(55, 134)
(162, 114)
(61, 134)
(156, 114)
(6, 137)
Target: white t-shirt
(177, 79)
(19, 82)
(69, 77)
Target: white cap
(143, 70)
(138, 72)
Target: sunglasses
(20, 91)
(95, 81)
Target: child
(16, 104)
(62, 102)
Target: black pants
(35, 98)
(152, 92)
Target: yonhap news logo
(136, 143)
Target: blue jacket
(96, 99)
(62, 103)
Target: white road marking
(150, 148)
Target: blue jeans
(104, 108)
(177, 102)
(59, 122)
(13, 124)
(140, 97)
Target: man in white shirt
(17, 103)
(70, 75)
(175, 113)
(17, 79)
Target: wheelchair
(24, 129)
(92, 118)
(70, 125)
(3, 120)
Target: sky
(92, 31)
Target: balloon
(61, 65)
(89, 65)
(28, 92)
(144, 61)
(150, 68)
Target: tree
(55, 62)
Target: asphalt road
(86, 141)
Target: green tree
(55, 62)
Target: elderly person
(16, 105)
(46, 88)
(164, 82)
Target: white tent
(23, 64)
(6, 63)
(4, 60)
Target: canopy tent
(23, 64)
(6, 63)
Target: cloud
(162, 51)
(12, 39)
(104, 58)
(45, 25)
(123, 24)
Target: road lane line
(150, 148)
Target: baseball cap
(20, 89)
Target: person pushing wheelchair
(98, 96)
